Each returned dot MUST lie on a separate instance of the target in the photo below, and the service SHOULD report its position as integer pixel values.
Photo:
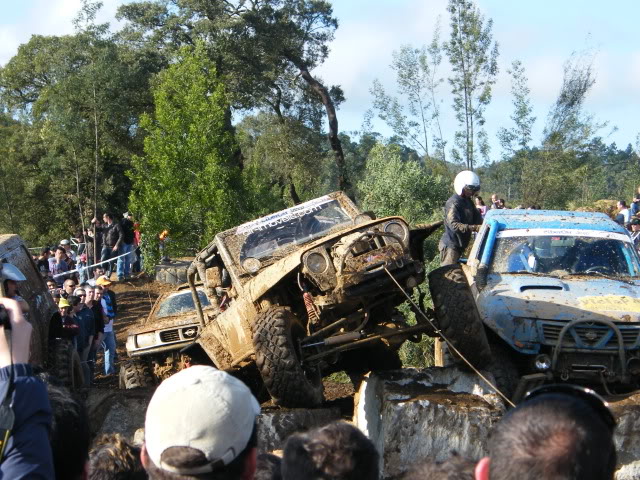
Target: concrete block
(274, 426)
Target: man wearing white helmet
(461, 217)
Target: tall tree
(518, 136)
(474, 60)
(188, 157)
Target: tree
(414, 115)
(518, 136)
(473, 57)
(188, 157)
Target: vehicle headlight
(316, 262)
(397, 229)
(251, 265)
(146, 339)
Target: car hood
(175, 321)
(529, 296)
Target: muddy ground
(135, 299)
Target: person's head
(98, 272)
(635, 225)
(197, 441)
(453, 468)
(81, 293)
(52, 285)
(89, 291)
(494, 197)
(113, 458)
(621, 205)
(75, 302)
(338, 451)
(466, 184)
(64, 306)
(69, 286)
(97, 293)
(61, 253)
(10, 288)
(559, 432)
(108, 218)
(69, 436)
(103, 282)
(66, 244)
(45, 252)
(479, 201)
(127, 215)
(268, 467)
(501, 202)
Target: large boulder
(627, 411)
(414, 414)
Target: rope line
(449, 344)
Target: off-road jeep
(298, 291)
(545, 296)
(56, 355)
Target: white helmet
(466, 178)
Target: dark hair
(109, 216)
(453, 468)
(268, 467)
(69, 435)
(622, 202)
(73, 300)
(45, 250)
(338, 451)
(479, 199)
(194, 457)
(553, 436)
(61, 248)
(112, 458)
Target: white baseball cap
(202, 408)
(65, 242)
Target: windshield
(293, 226)
(180, 303)
(598, 253)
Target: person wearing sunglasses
(558, 432)
(461, 218)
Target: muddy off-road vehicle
(302, 293)
(545, 296)
(56, 355)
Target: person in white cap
(201, 424)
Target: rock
(627, 411)
(414, 414)
(274, 426)
(117, 411)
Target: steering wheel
(598, 268)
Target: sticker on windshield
(618, 303)
(547, 232)
(283, 216)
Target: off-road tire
(65, 364)
(135, 374)
(275, 335)
(457, 315)
(504, 369)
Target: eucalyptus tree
(473, 56)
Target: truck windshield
(179, 303)
(294, 226)
(606, 254)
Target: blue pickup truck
(545, 296)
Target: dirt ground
(135, 299)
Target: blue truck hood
(529, 296)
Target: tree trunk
(336, 145)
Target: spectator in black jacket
(112, 238)
(461, 218)
(124, 263)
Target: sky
(542, 34)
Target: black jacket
(460, 214)
(112, 235)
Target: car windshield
(596, 253)
(294, 226)
(179, 303)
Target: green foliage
(519, 136)
(188, 182)
(393, 186)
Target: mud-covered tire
(65, 364)
(504, 369)
(275, 335)
(457, 315)
(135, 374)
